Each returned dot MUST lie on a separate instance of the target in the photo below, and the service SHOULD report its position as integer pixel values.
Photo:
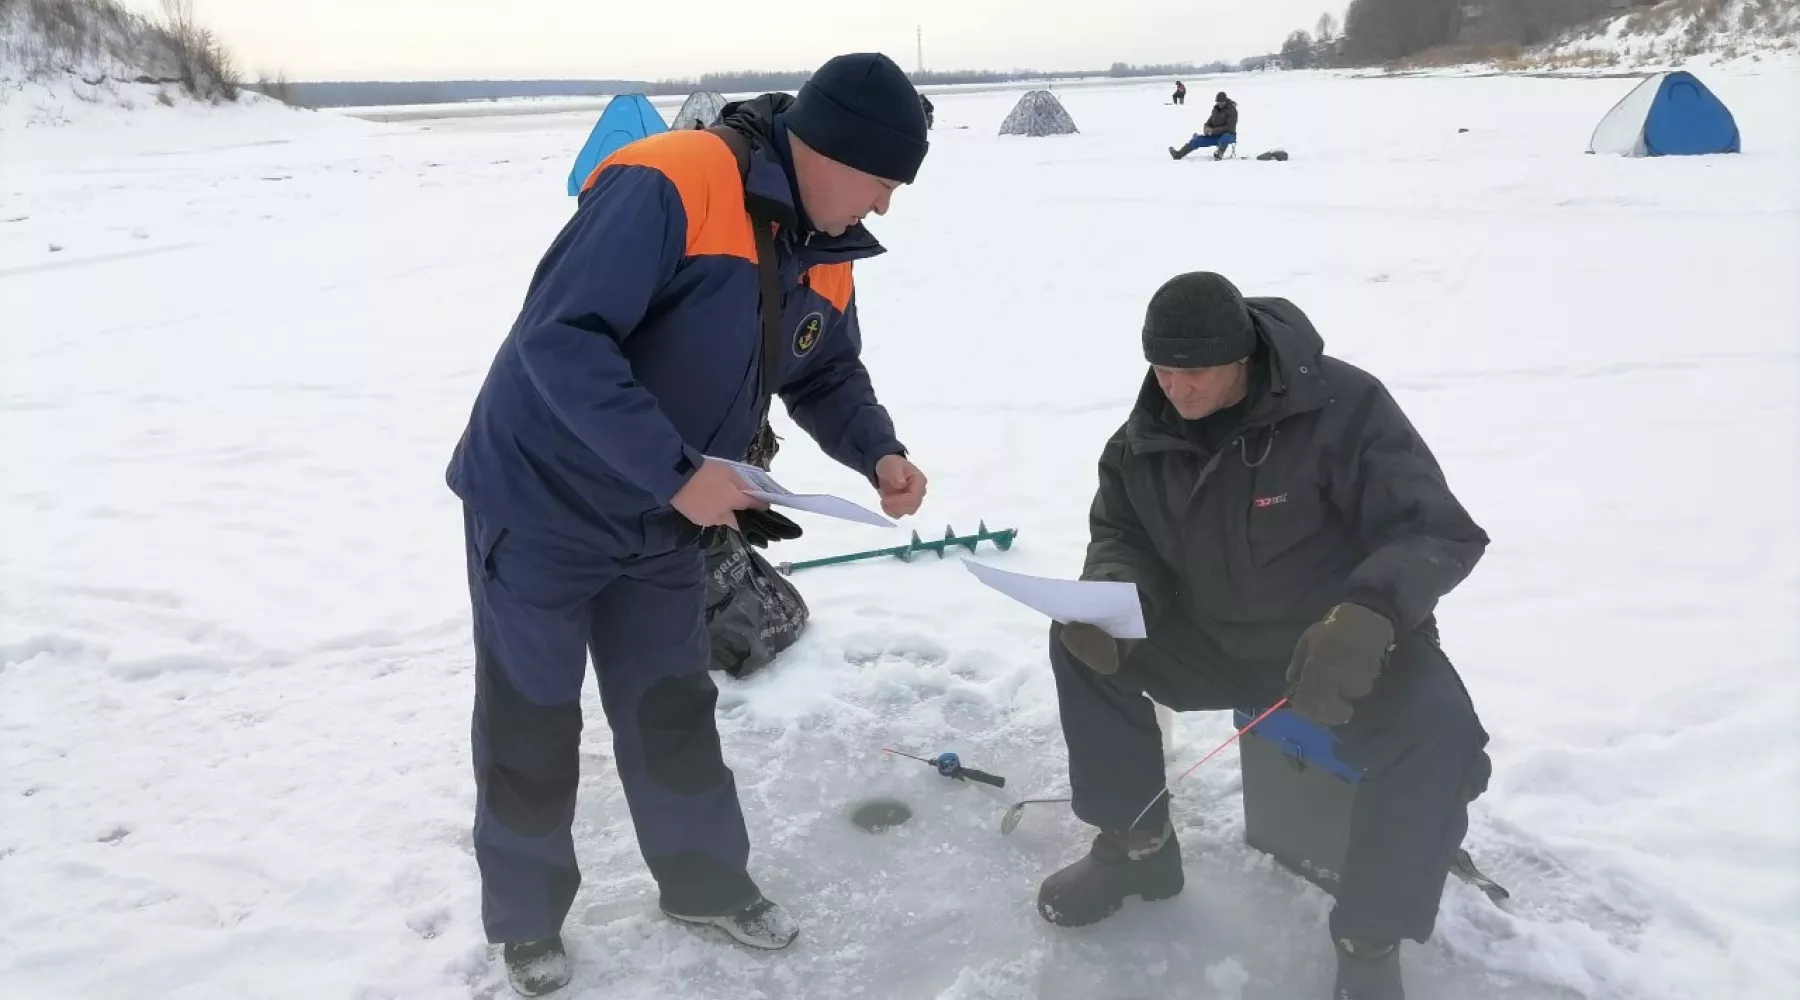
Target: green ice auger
(1002, 540)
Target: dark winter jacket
(1223, 118)
(1322, 493)
(636, 352)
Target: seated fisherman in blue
(1220, 130)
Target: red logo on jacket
(1262, 502)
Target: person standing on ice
(640, 351)
(1289, 533)
(1219, 131)
(1180, 92)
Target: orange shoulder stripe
(705, 176)
(834, 282)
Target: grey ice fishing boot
(1146, 865)
(759, 924)
(1368, 971)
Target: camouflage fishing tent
(700, 110)
(1038, 113)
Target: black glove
(760, 527)
(1337, 661)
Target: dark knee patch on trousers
(559, 893)
(679, 735)
(533, 753)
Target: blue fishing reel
(951, 766)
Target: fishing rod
(951, 766)
(1216, 750)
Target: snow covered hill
(235, 660)
(67, 60)
(1680, 32)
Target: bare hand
(901, 484)
(713, 495)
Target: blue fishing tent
(627, 118)
(1669, 114)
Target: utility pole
(919, 37)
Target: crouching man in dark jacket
(1289, 532)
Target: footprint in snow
(603, 914)
(918, 650)
(429, 923)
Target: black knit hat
(1197, 320)
(863, 112)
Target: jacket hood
(1288, 381)
(772, 181)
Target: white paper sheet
(764, 487)
(1113, 606)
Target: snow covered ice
(234, 653)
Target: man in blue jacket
(643, 352)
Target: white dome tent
(1668, 114)
(1038, 113)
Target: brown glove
(1093, 646)
(1337, 661)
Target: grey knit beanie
(1197, 320)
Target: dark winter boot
(759, 924)
(1178, 153)
(536, 967)
(1144, 865)
(1368, 971)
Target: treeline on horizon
(374, 93)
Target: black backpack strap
(762, 225)
(770, 287)
(739, 146)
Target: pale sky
(651, 39)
